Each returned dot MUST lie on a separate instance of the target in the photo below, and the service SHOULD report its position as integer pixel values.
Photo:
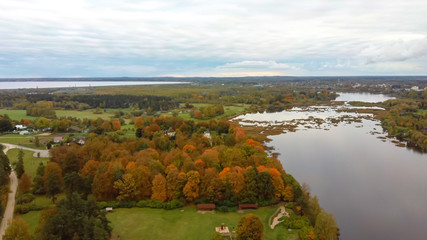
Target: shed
(248, 206)
(109, 209)
(25, 132)
(206, 207)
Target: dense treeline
(124, 101)
(407, 119)
(186, 166)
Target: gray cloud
(310, 35)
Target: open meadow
(151, 224)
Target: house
(170, 132)
(20, 127)
(248, 206)
(206, 207)
(223, 230)
(25, 132)
(81, 140)
(58, 139)
(207, 134)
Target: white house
(20, 127)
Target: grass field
(25, 140)
(146, 223)
(30, 163)
(16, 114)
(84, 114)
(32, 219)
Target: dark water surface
(375, 189)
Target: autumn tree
(172, 184)
(141, 175)
(250, 227)
(159, 188)
(52, 178)
(116, 125)
(191, 188)
(211, 186)
(126, 186)
(18, 230)
(277, 181)
(25, 183)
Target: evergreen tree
(20, 164)
(53, 186)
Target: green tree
(76, 218)
(20, 164)
(37, 141)
(18, 230)
(326, 227)
(250, 227)
(53, 186)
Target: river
(67, 84)
(375, 189)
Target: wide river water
(66, 84)
(375, 189)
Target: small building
(244, 206)
(25, 132)
(20, 127)
(170, 132)
(223, 230)
(207, 134)
(58, 139)
(109, 209)
(81, 140)
(206, 207)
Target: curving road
(8, 213)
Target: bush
(22, 208)
(173, 205)
(127, 204)
(267, 203)
(25, 198)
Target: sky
(220, 38)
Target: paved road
(8, 213)
(43, 153)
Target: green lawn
(23, 140)
(84, 114)
(32, 219)
(231, 110)
(16, 114)
(147, 223)
(30, 163)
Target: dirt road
(8, 213)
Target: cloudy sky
(112, 38)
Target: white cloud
(224, 32)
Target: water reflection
(375, 189)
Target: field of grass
(32, 219)
(23, 140)
(30, 163)
(229, 111)
(146, 223)
(16, 114)
(84, 114)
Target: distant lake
(67, 84)
(363, 97)
(375, 189)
